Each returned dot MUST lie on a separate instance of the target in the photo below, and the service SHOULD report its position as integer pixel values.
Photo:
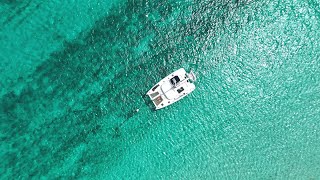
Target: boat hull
(171, 89)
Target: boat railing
(192, 76)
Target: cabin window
(175, 80)
(180, 90)
(155, 87)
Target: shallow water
(73, 74)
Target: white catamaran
(172, 88)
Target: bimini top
(172, 88)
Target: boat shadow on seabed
(148, 102)
(129, 115)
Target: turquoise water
(73, 73)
